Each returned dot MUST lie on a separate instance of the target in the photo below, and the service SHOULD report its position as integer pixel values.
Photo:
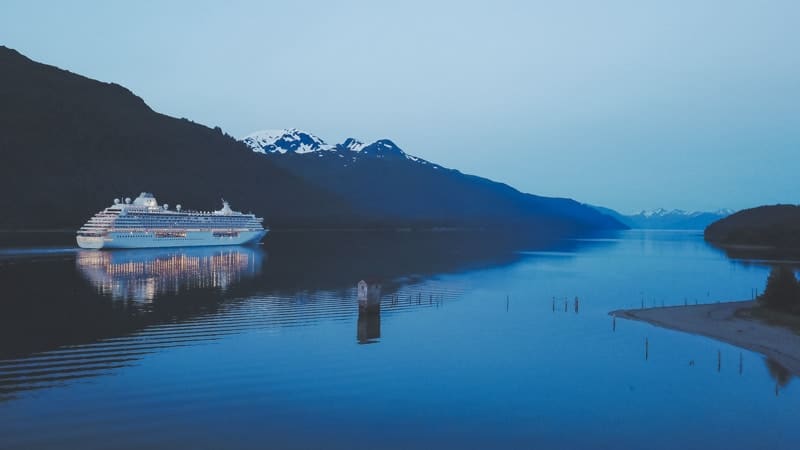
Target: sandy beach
(720, 321)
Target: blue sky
(627, 104)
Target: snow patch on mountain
(352, 145)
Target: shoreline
(728, 322)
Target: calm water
(478, 344)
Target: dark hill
(773, 226)
(70, 144)
(396, 188)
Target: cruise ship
(143, 223)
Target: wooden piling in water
(646, 349)
(741, 364)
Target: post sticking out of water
(719, 360)
(740, 363)
(565, 305)
(554, 304)
(577, 303)
(369, 296)
(614, 323)
(646, 349)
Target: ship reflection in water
(144, 274)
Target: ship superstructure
(144, 223)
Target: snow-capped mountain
(394, 187)
(298, 142)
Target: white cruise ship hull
(150, 239)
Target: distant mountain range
(399, 187)
(70, 144)
(663, 219)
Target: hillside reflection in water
(476, 341)
(148, 300)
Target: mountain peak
(353, 145)
(660, 212)
(382, 147)
(724, 211)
